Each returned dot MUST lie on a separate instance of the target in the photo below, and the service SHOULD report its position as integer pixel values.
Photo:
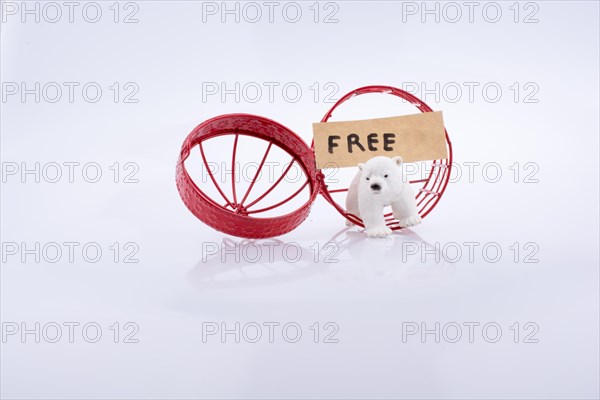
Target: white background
(376, 288)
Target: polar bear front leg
(374, 221)
(405, 208)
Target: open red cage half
(237, 216)
(433, 186)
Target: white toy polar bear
(378, 184)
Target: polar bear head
(381, 177)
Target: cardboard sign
(417, 137)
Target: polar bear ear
(361, 166)
(398, 160)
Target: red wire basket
(433, 186)
(236, 216)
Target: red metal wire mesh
(239, 219)
(235, 217)
(433, 186)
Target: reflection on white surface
(543, 285)
(348, 255)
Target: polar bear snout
(376, 187)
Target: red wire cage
(238, 217)
(235, 216)
(434, 185)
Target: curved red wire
(212, 177)
(258, 170)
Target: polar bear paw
(379, 232)
(411, 221)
